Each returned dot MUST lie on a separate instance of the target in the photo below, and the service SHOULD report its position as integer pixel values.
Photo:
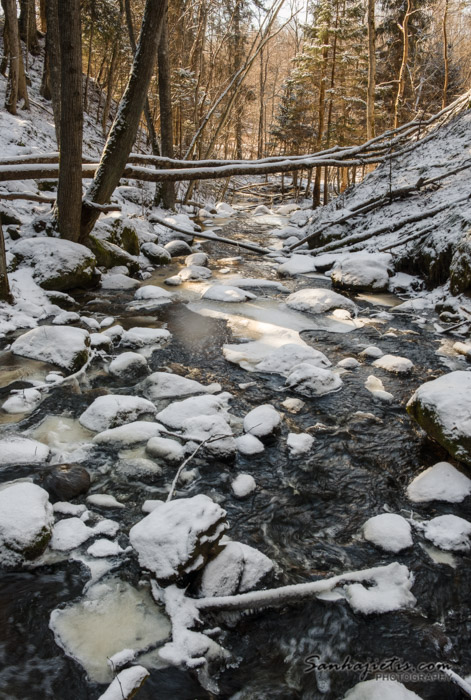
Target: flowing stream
(306, 513)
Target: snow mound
(177, 413)
(243, 485)
(227, 293)
(166, 385)
(177, 537)
(363, 272)
(376, 387)
(449, 532)
(442, 408)
(128, 365)
(21, 450)
(224, 209)
(165, 448)
(150, 291)
(299, 443)
(297, 265)
(310, 380)
(140, 336)
(319, 301)
(114, 410)
(386, 690)
(442, 482)
(389, 531)
(25, 401)
(26, 519)
(283, 359)
(237, 569)
(394, 364)
(194, 273)
(118, 281)
(128, 434)
(200, 259)
(249, 445)
(391, 591)
(262, 421)
(126, 683)
(63, 346)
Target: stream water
(306, 513)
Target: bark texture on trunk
(370, 102)
(124, 129)
(5, 294)
(166, 116)
(11, 26)
(53, 57)
(69, 191)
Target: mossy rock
(110, 255)
(460, 267)
(47, 185)
(8, 219)
(126, 237)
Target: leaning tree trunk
(123, 132)
(166, 116)
(69, 190)
(11, 25)
(5, 294)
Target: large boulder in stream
(178, 537)
(26, 520)
(64, 346)
(57, 264)
(363, 272)
(111, 255)
(442, 408)
(460, 267)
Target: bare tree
(166, 117)
(5, 294)
(370, 103)
(11, 27)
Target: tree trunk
(445, 55)
(27, 26)
(5, 294)
(126, 123)
(109, 88)
(69, 191)
(53, 57)
(370, 102)
(89, 60)
(11, 25)
(405, 57)
(316, 200)
(42, 16)
(166, 117)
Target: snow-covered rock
(249, 445)
(177, 248)
(254, 283)
(243, 485)
(126, 683)
(24, 401)
(177, 537)
(224, 209)
(376, 387)
(442, 408)
(237, 569)
(297, 265)
(283, 359)
(394, 364)
(26, 519)
(299, 443)
(100, 341)
(386, 690)
(391, 591)
(128, 434)
(57, 264)
(214, 431)
(177, 413)
(128, 365)
(319, 301)
(194, 273)
(165, 448)
(140, 336)
(223, 292)
(104, 500)
(156, 253)
(151, 291)
(200, 259)
(60, 345)
(449, 532)
(286, 209)
(348, 363)
(442, 482)
(118, 281)
(166, 385)
(363, 272)
(104, 548)
(372, 351)
(65, 318)
(113, 410)
(69, 534)
(309, 380)
(262, 421)
(20, 450)
(389, 531)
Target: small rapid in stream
(306, 513)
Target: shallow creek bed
(64, 614)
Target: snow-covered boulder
(297, 265)
(24, 401)
(128, 365)
(166, 449)
(237, 569)
(309, 380)
(177, 537)
(60, 345)
(126, 683)
(394, 364)
(389, 531)
(177, 413)
(243, 485)
(128, 434)
(261, 210)
(442, 482)
(166, 385)
(449, 532)
(227, 293)
(286, 209)
(200, 259)
(57, 264)
(110, 255)
(224, 209)
(386, 690)
(118, 281)
(262, 421)
(177, 248)
(140, 336)
(114, 410)
(214, 431)
(442, 408)
(157, 254)
(65, 481)
(26, 519)
(194, 273)
(283, 359)
(319, 301)
(151, 291)
(363, 272)
(20, 450)
(249, 445)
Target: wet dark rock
(65, 481)
(178, 248)
(111, 255)
(14, 232)
(8, 218)
(157, 254)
